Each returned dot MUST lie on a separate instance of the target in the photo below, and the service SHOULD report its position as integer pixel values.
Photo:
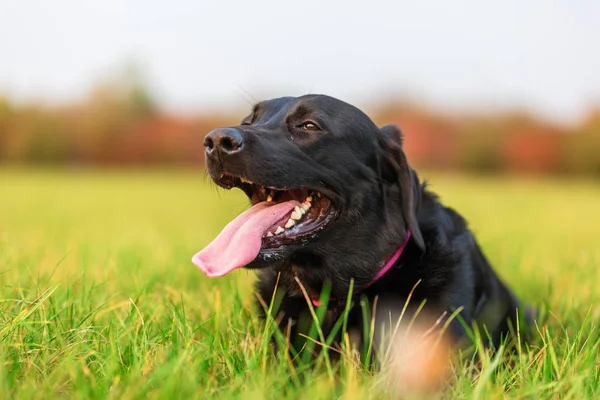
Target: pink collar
(388, 265)
(390, 261)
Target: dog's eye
(309, 126)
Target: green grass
(98, 298)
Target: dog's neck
(389, 263)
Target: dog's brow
(300, 111)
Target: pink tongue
(239, 242)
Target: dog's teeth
(279, 230)
(245, 180)
(305, 207)
(269, 198)
(297, 214)
(269, 234)
(290, 223)
(308, 199)
(319, 194)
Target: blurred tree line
(512, 141)
(120, 123)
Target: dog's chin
(271, 258)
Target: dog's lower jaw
(306, 273)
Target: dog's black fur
(377, 196)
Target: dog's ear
(397, 169)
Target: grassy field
(98, 298)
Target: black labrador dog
(335, 205)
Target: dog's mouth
(278, 218)
(311, 212)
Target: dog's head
(332, 194)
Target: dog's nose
(225, 140)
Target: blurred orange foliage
(512, 142)
(119, 123)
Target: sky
(208, 55)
